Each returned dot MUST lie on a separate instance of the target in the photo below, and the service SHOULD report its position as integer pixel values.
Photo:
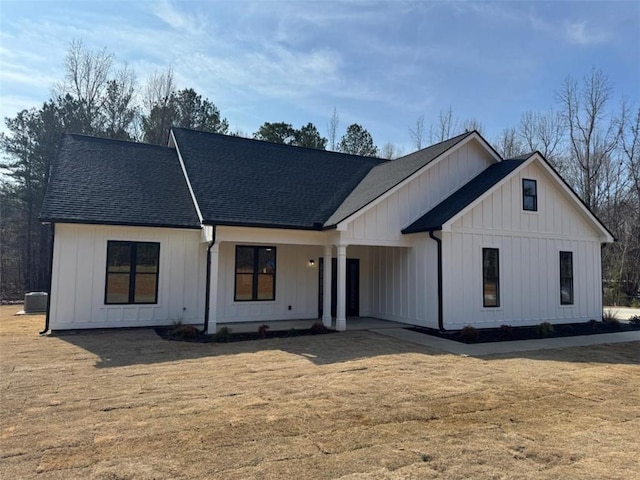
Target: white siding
(381, 224)
(529, 244)
(79, 275)
(404, 283)
(296, 284)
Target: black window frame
(256, 274)
(526, 196)
(566, 280)
(132, 273)
(487, 279)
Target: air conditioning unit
(35, 302)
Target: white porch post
(341, 300)
(326, 287)
(213, 288)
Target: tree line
(594, 148)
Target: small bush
(635, 303)
(223, 335)
(545, 329)
(262, 330)
(318, 328)
(635, 320)
(469, 333)
(609, 316)
(178, 330)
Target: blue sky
(380, 64)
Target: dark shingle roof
(387, 175)
(239, 181)
(467, 194)
(101, 181)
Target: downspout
(440, 316)
(46, 317)
(207, 293)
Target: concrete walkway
(481, 349)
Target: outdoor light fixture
(312, 263)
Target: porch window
(566, 278)
(132, 273)
(255, 273)
(490, 277)
(529, 195)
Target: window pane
(244, 259)
(529, 203)
(266, 260)
(566, 291)
(490, 293)
(119, 256)
(265, 287)
(117, 288)
(244, 286)
(145, 289)
(529, 187)
(147, 255)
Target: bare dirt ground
(356, 405)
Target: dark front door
(353, 286)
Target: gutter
(207, 292)
(46, 318)
(440, 316)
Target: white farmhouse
(215, 229)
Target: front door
(352, 291)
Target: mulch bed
(189, 333)
(508, 333)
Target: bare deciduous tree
(508, 144)
(543, 132)
(417, 133)
(332, 129)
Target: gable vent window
(132, 272)
(490, 277)
(566, 278)
(255, 273)
(529, 195)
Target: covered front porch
(314, 276)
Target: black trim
(255, 274)
(207, 292)
(132, 273)
(120, 224)
(490, 279)
(568, 255)
(533, 196)
(223, 223)
(440, 300)
(46, 318)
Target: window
(132, 272)
(566, 278)
(529, 195)
(490, 277)
(255, 273)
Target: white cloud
(582, 33)
(166, 11)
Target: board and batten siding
(529, 244)
(404, 283)
(79, 276)
(382, 223)
(296, 284)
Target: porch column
(326, 287)
(213, 288)
(341, 300)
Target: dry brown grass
(128, 405)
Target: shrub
(262, 330)
(635, 320)
(545, 329)
(593, 324)
(223, 335)
(610, 320)
(469, 333)
(318, 328)
(635, 303)
(178, 330)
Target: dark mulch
(507, 333)
(189, 333)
